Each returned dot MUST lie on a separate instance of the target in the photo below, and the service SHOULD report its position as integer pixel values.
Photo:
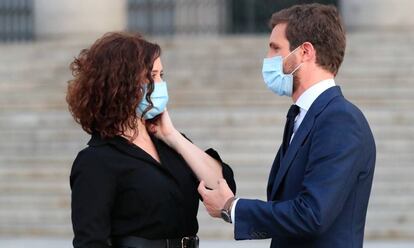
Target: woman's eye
(153, 76)
(162, 75)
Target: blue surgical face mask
(274, 77)
(159, 98)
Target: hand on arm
(215, 200)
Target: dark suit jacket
(318, 191)
(120, 190)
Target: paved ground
(62, 243)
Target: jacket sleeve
(336, 157)
(93, 192)
(228, 174)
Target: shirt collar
(310, 95)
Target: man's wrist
(226, 211)
(233, 210)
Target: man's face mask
(274, 77)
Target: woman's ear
(151, 127)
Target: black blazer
(120, 190)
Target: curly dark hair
(108, 83)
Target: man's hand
(214, 200)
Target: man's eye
(274, 47)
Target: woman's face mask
(159, 98)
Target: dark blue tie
(290, 123)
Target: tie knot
(293, 111)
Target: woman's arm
(93, 193)
(205, 167)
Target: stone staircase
(219, 100)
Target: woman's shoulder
(91, 171)
(93, 158)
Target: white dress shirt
(304, 102)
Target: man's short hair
(318, 24)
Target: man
(320, 181)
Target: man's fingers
(202, 189)
(222, 183)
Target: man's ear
(308, 52)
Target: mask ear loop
(297, 67)
(294, 50)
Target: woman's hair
(108, 83)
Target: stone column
(378, 14)
(72, 18)
(200, 16)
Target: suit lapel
(132, 150)
(273, 172)
(135, 151)
(164, 152)
(304, 129)
(292, 150)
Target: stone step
(226, 146)
(271, 131)
(218, 99)
(56, 215)
(224, 45)
(256, 148)
(30, 202)
(208, 74)
(189, 117)
(41, 224)
(252, 176)
(372, 103)
(52, 186)
(380, 200)
(392, 154)
(26, 209)
(209, 71)
(257, 94)
(51, 230)
(221, 62)
(379, 96)
(248, 186)
(352, 84)
(240, 158)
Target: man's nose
(270, 53)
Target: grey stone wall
(378, 14)
(71, 18)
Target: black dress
(120, 190)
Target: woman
(131, 187)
